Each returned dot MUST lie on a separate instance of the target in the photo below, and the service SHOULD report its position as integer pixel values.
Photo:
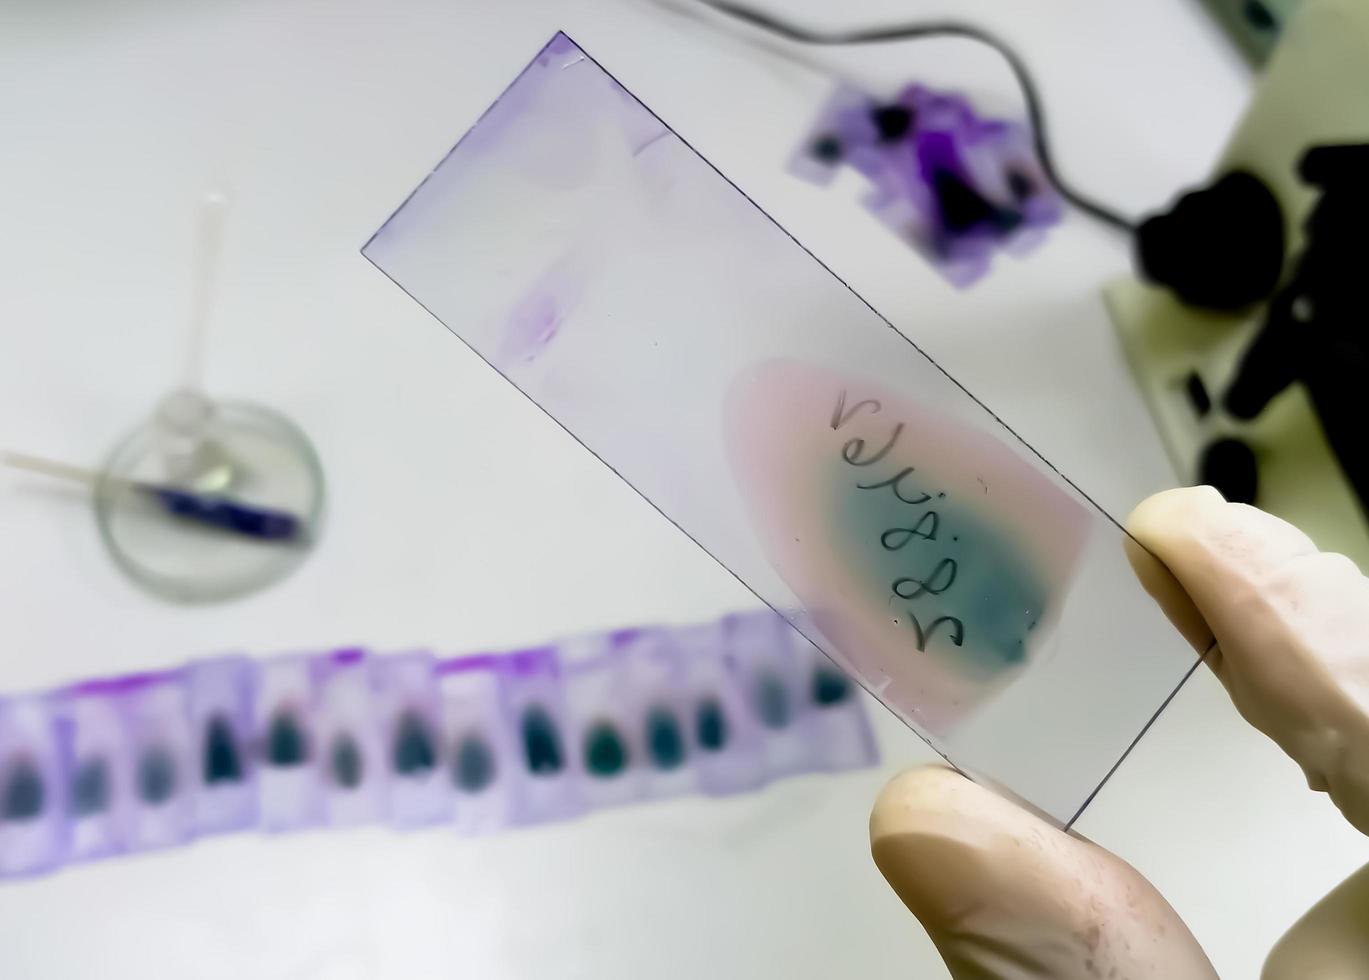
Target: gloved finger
(1005, 895)
(1156, 578)
(1200, 542)
(1329, 941)
(1291, 624)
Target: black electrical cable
(908, 32)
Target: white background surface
(461, 518)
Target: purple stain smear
(956, 186)
(538, 317)
(651, 141)
(115, 686)
(560, 47)
(479, 743)
(532, 326)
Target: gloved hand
(1005, 895)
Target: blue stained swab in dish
(210, 510)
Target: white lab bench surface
(461, 518)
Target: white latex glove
(1005, 895)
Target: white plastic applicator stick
(208, 248)
(63, 471)
(48, 467)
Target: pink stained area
(784, 451)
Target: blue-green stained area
(710, 725)
(605, 753)
(222, 762)
(475, 767)
(996, 593)
(346, 762)
(415, 750)
(156, 776)
(24, 793)
(771, 700)
(90, 788)
(664, 739)
(830, 686)
(541, 742)
(286, 742)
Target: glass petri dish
(244, 452)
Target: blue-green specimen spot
(286, 744)
(222, 761)
(475, 767)
(414, 752)
(830, 686)
(541, 742)
(90, 788)
(346, 762)
(827, 149)
(772, 701)
(710, 724)
(605, 753)
(664, 739)
(156, 775)
(24, 792)
(998, 591)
